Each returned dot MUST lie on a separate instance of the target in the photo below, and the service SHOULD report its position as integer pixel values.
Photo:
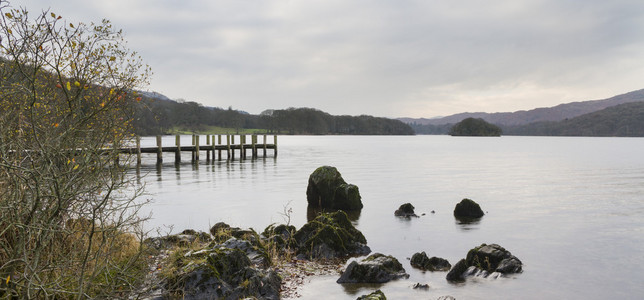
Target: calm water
(572, 209)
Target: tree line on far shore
(621, 120)
(160, 116)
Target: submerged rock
(405, 210)
(420, 286)
(421, 261)
(468, 209)
(327, 189)
(484, 261)
(377, 268)
(330, 235)
(377, 295)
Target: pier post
(193, 147)
(159, 150)
(231, 152)
(254, 141)
(197, 147)
(138, 150)
(242, 150)
(275, 142)
(177, 153)
(207, 148)
(264, 146)
(219, 142)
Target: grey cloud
(387, 58)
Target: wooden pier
(215, 144)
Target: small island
(475, 127)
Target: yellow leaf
(69, 86)
(9, 31)
(71, 25)
(76, 83)
(112, 58)
(8, 15)
(53, 15)
(75, 167)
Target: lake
(571, 209)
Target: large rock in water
(377, 268)
(468, 209)
(327, 189)
(486, 260)
(421, 261)
(330, 235)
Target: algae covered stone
(330, 235)
(377, 295)
(327, 189)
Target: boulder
(330, 235)
(421, 261)
(327, 189)
(484, 261)
(377, 295)
(220, 273)
(468, 209)
(376, 268)
(405, 210)
(257, 254)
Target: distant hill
(544, 114)
(621, 120)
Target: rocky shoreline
(234, 263)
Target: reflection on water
(466, 224)
(540, 193)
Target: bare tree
(69, 224)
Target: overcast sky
(382, 58)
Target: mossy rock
(377, 295)
(493, 258)
(377, 268)
(330, 235)
(221, 273)
(327, 189)
(468, 209)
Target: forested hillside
(158, 116)
(621, 120)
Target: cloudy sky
(384, 58)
